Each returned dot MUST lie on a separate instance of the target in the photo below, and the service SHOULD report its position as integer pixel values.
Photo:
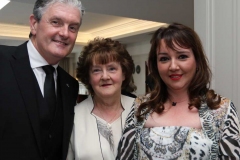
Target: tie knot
(48, 69)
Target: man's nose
(64, 31)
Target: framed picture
(138, 69)
(134, 69)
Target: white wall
(139, 53)
(139, 79)
(75, 53)
(218, 22)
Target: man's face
(55, 34)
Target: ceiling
(128, 21)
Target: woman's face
(176, 67)
(106, 79)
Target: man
(32, 125)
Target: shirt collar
(36, 59)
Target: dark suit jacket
(19, 117)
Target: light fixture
(3, 3)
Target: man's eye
(55, 23)
(73, 29)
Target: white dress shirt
(36, 62)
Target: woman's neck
(175, 98)
(109, 110)
(107, 104)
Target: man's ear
(33, 24)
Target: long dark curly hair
(103, 51)
(198, 89)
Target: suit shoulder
(67, 75)
(6, 51)
(4, 47)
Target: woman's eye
(112, 69)
(95, 70)
(182, 57)
(163, 59)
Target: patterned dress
(219, 137)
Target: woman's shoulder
(127, 98)
(225, 107)
(225, 103)
(86, 104)
(228, 105)
(140, 99)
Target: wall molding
(210, 41)
(217, 23)
(118, 30)
(236, 46)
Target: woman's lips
(104, 85)
(175, 77)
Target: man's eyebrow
(58, 18)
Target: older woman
(181, 118)
(105, 67)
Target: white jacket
(84, 143)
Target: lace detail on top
(105, 130)
(173, 143)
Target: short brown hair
(103, 51)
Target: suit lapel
(26, 82)
(67, 90)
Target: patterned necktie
(49, 89)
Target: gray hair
(41, 6)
